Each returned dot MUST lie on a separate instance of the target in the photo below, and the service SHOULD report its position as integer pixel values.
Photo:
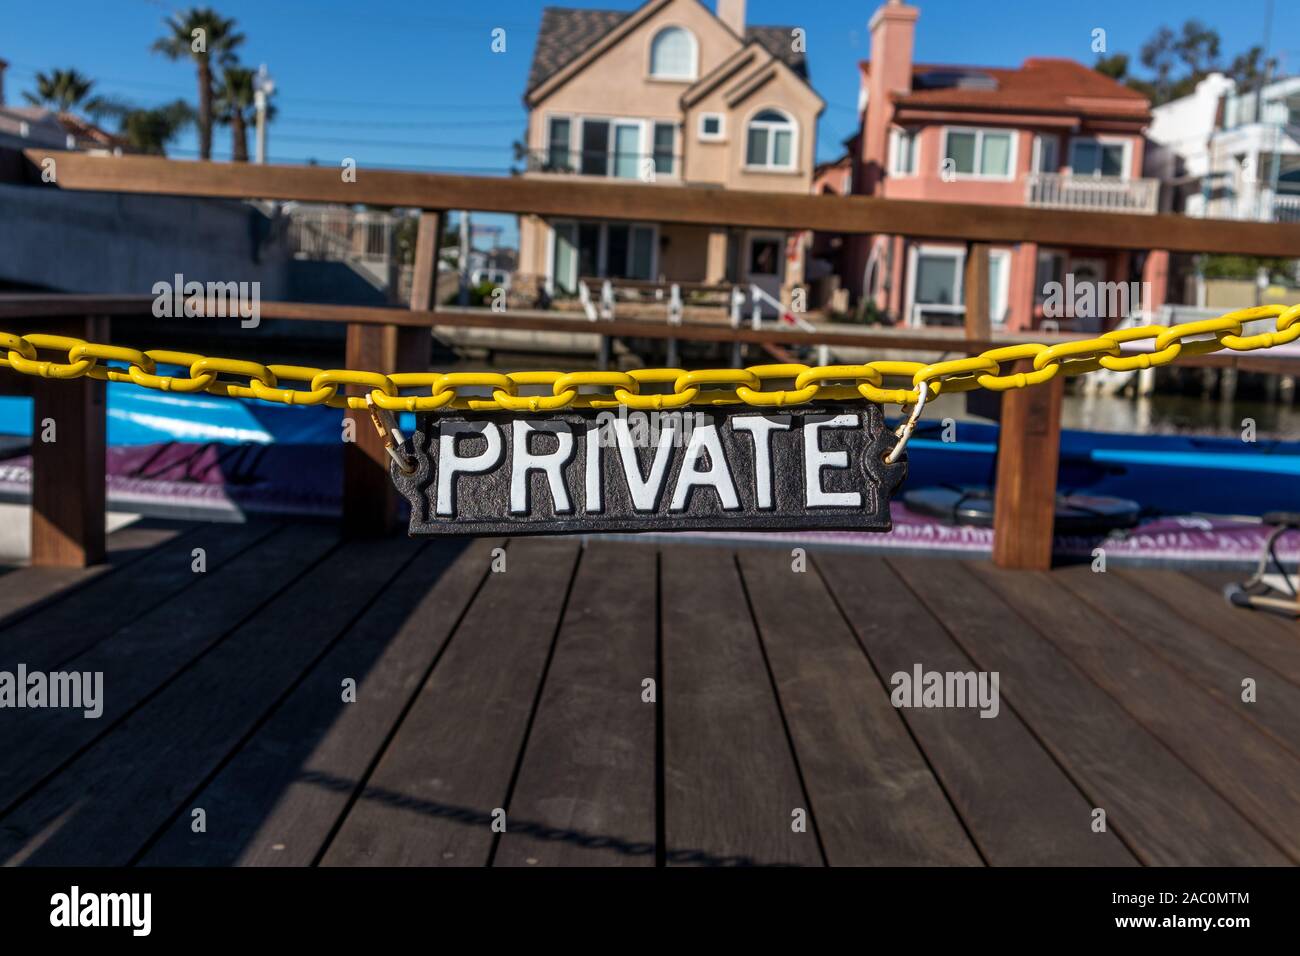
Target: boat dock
(633, 704)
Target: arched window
(770, 141)
(672, 54)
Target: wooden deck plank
(146, 653)
(586, 789)
(730, 779)
(875, 799)
(104, 806)
(1019, 805)
(1248, 768)
(1162, 810)
(1271, 639)
(1183, 642)
(25, 590)
(286, 790)
(57, 633)
(430, 799)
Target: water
(1161, 414)
(1181, 415)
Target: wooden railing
(68, 485)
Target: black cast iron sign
(716, 468)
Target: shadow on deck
(523, 696)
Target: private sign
(810, 467)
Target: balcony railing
(646, 167)
(341, 235)
(1092, 193)
(1286, 209)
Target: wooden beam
(545, 195)
(424, 278)
(976, 286)
(68, 472)
(20, 309)
(1029, 452)
(977, 322)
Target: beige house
(668, 94)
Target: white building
(1230, 154)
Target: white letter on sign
(451, 464)
(760, 429)
(645, 491)
(525, 461)
(814, 460)
(705, 439)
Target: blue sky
(414, 82)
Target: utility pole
(263, 87)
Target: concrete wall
(123, 244)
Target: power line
(282, 97)
(396, 124)
(401, 167)
(352, 141)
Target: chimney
(3, 65)
(893, 32)
(732, 13)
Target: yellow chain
(677, 387)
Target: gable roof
(567, 33)
(1039, 85)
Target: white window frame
(1036, 157)
(1000, 297)
(958, 305)
(771, 141)
(979, 132)
(1125, 142)
(575, 149)
(577, 122)
(1001, 304)
(717, 137)
(648, 137)
(602, 248)
(673, 77)
(896, 136)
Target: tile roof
(777, 41)
(566, 33)
(1040, 84)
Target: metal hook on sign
(391, 435)
(905, 430)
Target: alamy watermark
(77, 690)
(647, 429)
(922, 688)
(1090, 299)
(212, 300)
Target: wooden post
(978, 323)
(68, 473)
(976, 283)
(370, 502)
(1029, 452)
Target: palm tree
(66, 90)
(151, 130)
(236, 106)
(206, 37)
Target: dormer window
(673, 54)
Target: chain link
(636, 389)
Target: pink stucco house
(1049, 133)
